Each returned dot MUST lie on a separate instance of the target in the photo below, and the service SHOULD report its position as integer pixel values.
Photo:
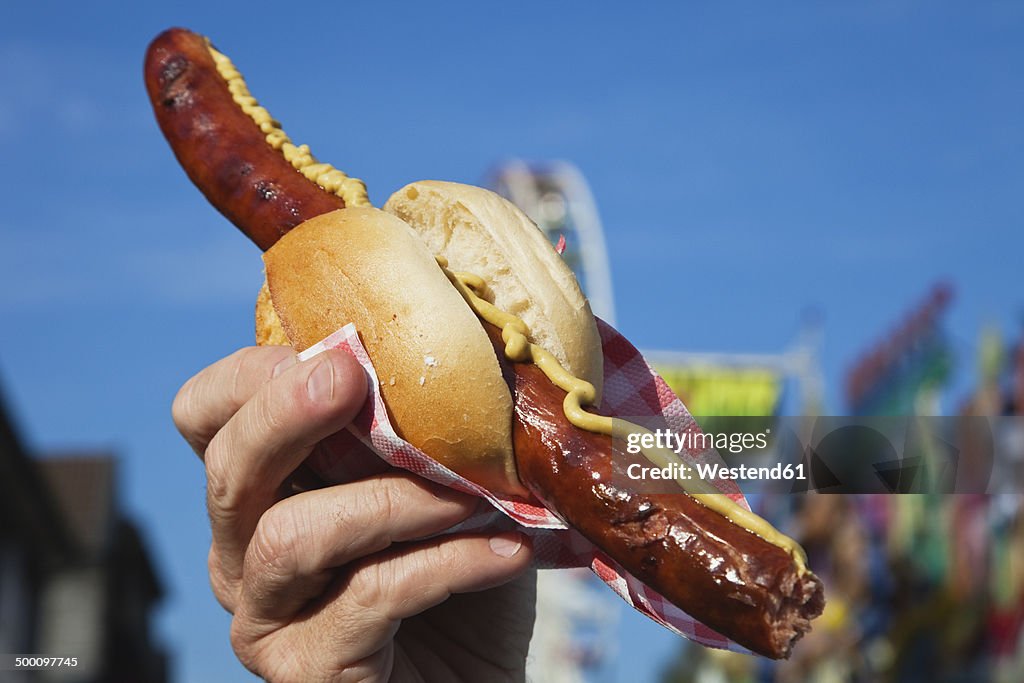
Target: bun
(438, 373)
(483, 233)
(268, 326)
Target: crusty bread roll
(438, 372)
(483, 233)
(268, 326)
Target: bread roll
(268, 326)
(438, 372)
(481, 232)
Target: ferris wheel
(556, 196)
(575, 629)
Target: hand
(332, 584)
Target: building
(76, 579)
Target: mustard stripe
(330, 179)
(579, 393)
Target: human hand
(338, 583)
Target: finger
(466, 621)
(416, 577)
(270, 435)
(300, 540)
(342, 457)
(362, 611)
(208, 400)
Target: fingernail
(320, 384)
(506, 544)
(282, 366)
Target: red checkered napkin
(631, 388)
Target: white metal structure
(556, 196)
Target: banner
(709, 390)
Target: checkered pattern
(631, 388)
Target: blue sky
(749, 163)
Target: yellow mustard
(330, 179)
(579, 393)
(514, 332)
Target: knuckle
(446, 560)
(264, 419)
(369, 584)
(182, 410)
(245, 644)
(274, 543)
(268, 416)
(224, 589)
(218, 478)
(442, 566)
(244, 361)
(385, 494)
